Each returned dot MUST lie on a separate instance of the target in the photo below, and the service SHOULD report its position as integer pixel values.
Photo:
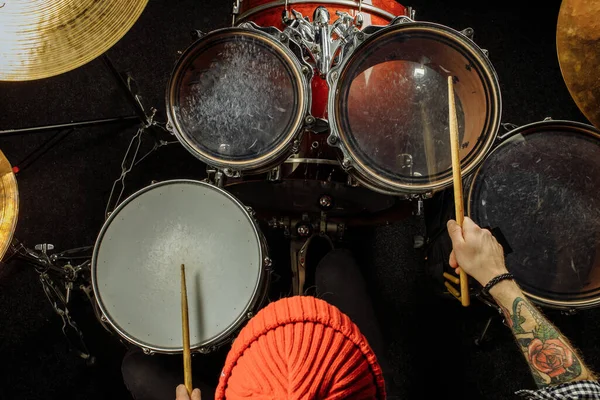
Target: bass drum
(138, 254)
(268, 12)
(314, 172)
(540, 188)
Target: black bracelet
(486, 290)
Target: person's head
(301, 348)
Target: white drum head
(138, 256)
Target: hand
(182, 393)
(476, 251)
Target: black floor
(63, 197)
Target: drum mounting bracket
(322, 38)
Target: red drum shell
(271, 16)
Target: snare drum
(541, 189)
(392, 132)
(138, 254)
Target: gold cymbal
(43, 38)
(9, 204)
(578, 47)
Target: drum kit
(311, 115)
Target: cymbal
(9, 204)
(43, 38)
(578, 47)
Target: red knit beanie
(301, 348)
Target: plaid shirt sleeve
(580, 390)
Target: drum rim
(258, 293)
(505, 139)
(489, 79)
(267, 160)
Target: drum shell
(227, 335)
(364, 173)
(302, 75)
(469, 196)
(268, 13)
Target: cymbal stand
(126, 85)
(68, 268)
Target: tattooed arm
(551, 357)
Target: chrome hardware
(420, 206)
(325, 202)
(468, 32)
(44, 247)
(267, 262)
(321, 37)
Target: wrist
(505, 290)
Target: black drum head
(541, 189)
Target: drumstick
(456, 176)
(185, 327)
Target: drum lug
(295, 146)
(103, 318)
(267, 263)
(231, 173)
(411, 12)
(486, 52)
(169, 127)
(249, 315)
(346, 163)
(332, 140)
(402, 19)
(197, 34)
(251, 211)
(468, 32)
(147, 351)
(274, 175)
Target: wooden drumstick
(456, 176)
(185, 328)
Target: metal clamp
(321, 38)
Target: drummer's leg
(339, 282)
(156, 377)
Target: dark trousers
(338, 281)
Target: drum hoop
(265, 160)
(256, 299)
(563, 304)
(348, 3)
(489, 75)
(505, 139)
